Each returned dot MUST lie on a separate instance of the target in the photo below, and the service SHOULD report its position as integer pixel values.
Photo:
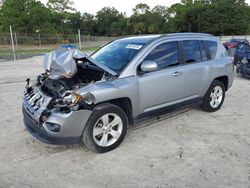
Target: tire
(212, 101)
(108, 133)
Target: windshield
(117, 54)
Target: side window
(165, 55)
(203, 51)
(212, 48)
(192, 51)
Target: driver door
(164, 86)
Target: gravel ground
(190, 149)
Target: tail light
(232, 45)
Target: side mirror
(149, 66)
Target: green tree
(65, 16)
(141, 9)
(26, 16)
(119, 28)
(146, 21)
(138, 21)
(159, 18)
(226, 17)
(88, 24)
(219, 17)
(61, 5)
(105, 18)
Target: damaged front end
(55, 111)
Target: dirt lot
(191, 149)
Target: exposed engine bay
(57, 87)
(65, 73)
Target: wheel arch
(224, 80)
(124, 103)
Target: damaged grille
(35, 101)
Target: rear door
(195, 70)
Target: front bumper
(243, 69)
(71, 126)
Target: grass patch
(5, 53)
(90, 49)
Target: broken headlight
(74, 98)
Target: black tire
(206, 105)
(100, 111)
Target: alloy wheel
(107, 129)
(216, 97)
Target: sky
(93, 6)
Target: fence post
(40, 43)
(39, 39)
(12, 41)
(79, 38)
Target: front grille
(36, 100)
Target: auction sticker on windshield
(134, 46)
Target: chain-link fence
(40, 41)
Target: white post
(12, 41)
(40, 43)
(39, 38)
(79, 38)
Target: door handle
(177, 73)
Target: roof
(140, 38)
(149, 38)
(189, 34)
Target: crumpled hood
(62, 63)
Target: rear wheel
(106, 128)
(214, 97)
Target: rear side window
(165, 55)
(212, 48)
(192, 51)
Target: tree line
(218, 17)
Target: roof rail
(187, 33)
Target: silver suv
(95, 98)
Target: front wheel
(106, 128)
(214, 97)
